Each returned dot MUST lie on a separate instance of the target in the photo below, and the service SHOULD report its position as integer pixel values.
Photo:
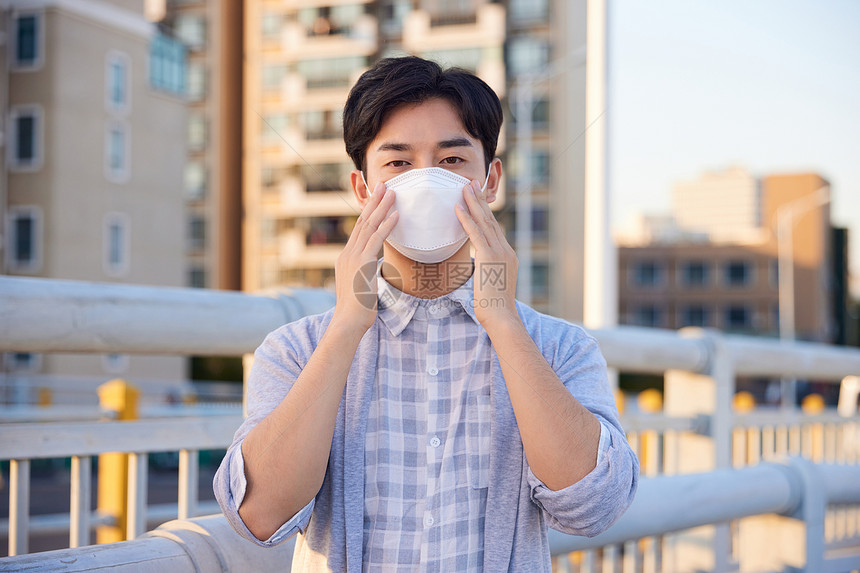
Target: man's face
(429, 134)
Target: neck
(426, 280)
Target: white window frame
(12, 214)
(123, 174)
(12, 161)
(14, 63)
(124, 222)
(111, 58)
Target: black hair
(393, 82)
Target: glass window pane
(27, 40)
(25, 132)
(25, 240)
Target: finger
(377, 214)
(374, 242)
(476, 235)
(480, 214)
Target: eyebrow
(444, 144)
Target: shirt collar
(396, 308)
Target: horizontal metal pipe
(66, 439)
(58, 523)
(673, 503)
(48, 315)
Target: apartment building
(211, 31)
(708, 279)
(93, 147)
(301, 58)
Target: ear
(359, 187)
(494, 179)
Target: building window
(25, 137)
(197, 277)
(27, 41)
(117, 244)
(325, 176)
(695, 274)
(774, 273)
(22, 362)
(190, 29)
(330, 72)
(196, 232)
(24, 237)
(197, 81)
(738, 317)
(540, 222)
(648, 315)
(527, 55)
(197, 132)
(528, 10)
(738, 273)
(270, 25)
(327, 231)
(195, 180)
(117, 152)
(647, 274)
(540, 280)
(167, 65)
(695, 315)
(117, 82)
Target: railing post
(709, 392)
(79, 505)
(122, 398)
(19, 506)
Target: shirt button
(433, 371)
(428, 520)
(435, 441)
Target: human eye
(453, 160)
(397, 163)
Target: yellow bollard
(813, 404)
(122, 398)
(46, 397)
(743, 402)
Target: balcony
(424, 32)
(703, 462)
(324, 40)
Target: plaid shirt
(419, 402)
(428, 430)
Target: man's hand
(495, 278)
(355, 269)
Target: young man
(429, 421)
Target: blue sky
(773, 86)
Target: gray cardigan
(519, 507)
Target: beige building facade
(93, 148)
(735, 285)
(301, 58)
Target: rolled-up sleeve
(277, 364)
(229, 488)
(591, 505)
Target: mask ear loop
(486, 179)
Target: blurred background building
(93, 137)
(715, 261)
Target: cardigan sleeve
(278, 361)
(591, 505)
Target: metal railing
(700, 368)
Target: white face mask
(428, 230)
